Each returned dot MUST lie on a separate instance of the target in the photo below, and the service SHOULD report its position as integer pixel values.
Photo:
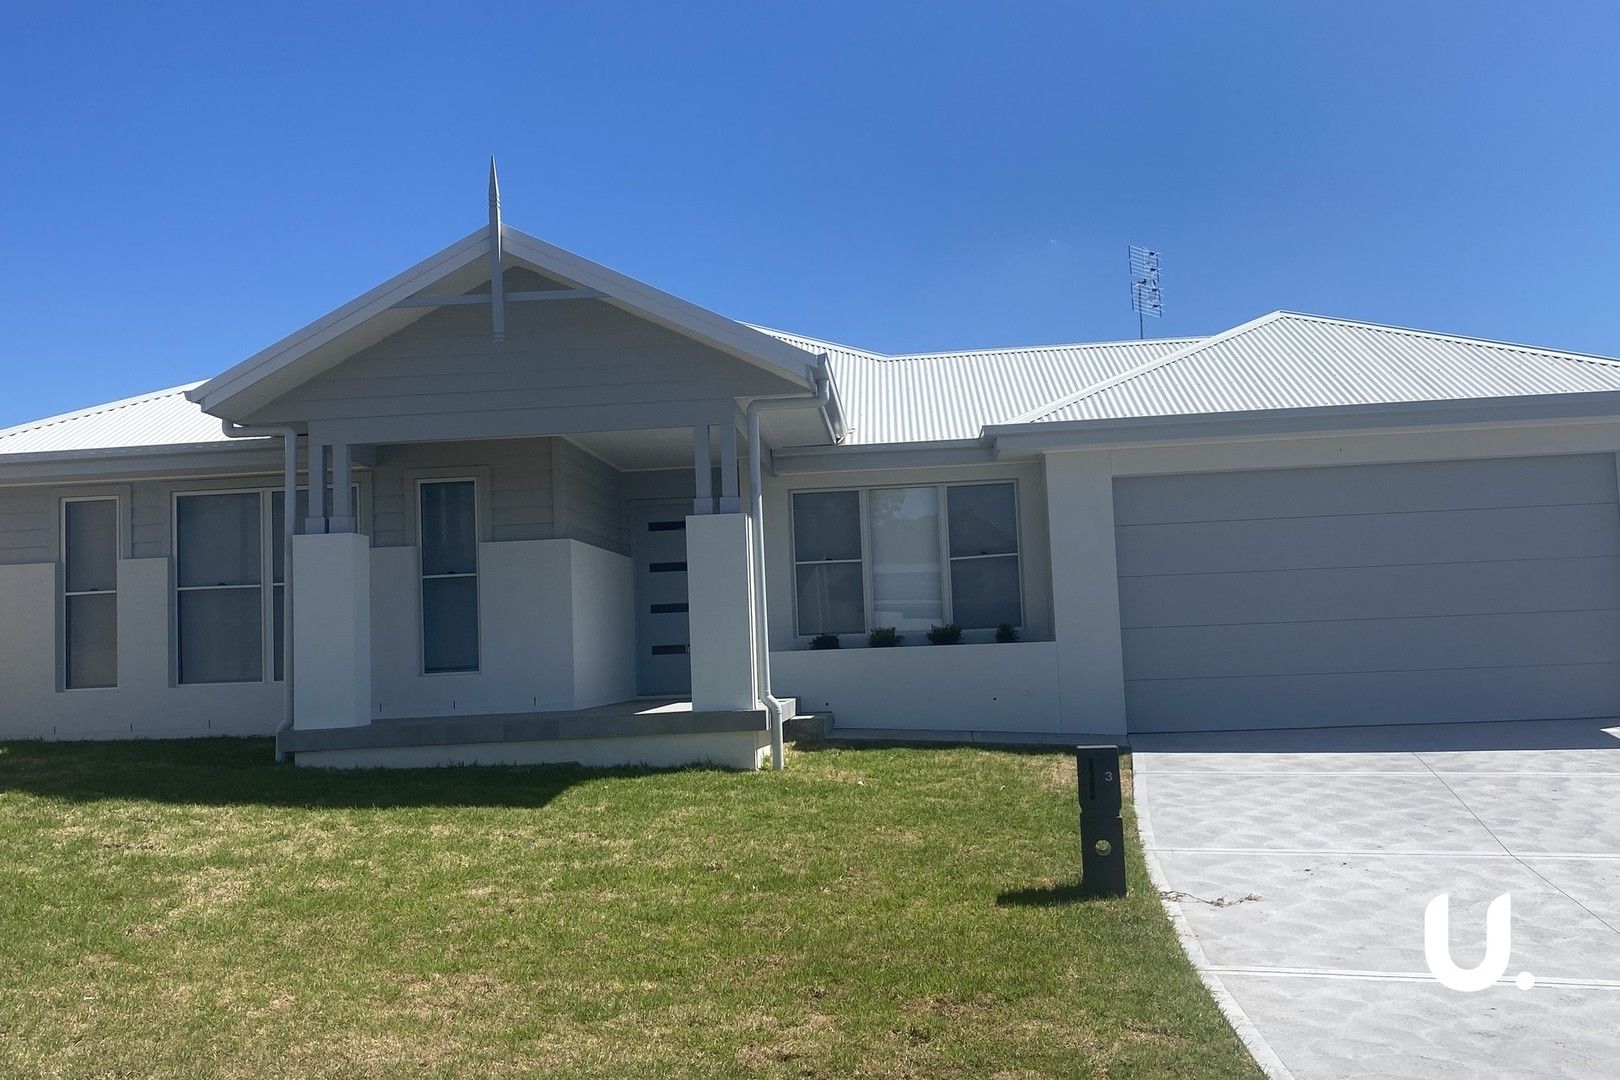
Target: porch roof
(460, 270)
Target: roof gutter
(775, 708)
(289, 525)
(1383, 418)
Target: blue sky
(180, 186)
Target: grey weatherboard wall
(1417, 592)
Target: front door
(663, 637)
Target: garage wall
(1414, 592)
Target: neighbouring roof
(926, 397)
(1287, 360)
(161, 418)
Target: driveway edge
(1246, 1030)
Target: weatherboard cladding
(1291, 361)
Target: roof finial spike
(497, 287)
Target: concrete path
(1303, 861)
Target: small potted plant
(1006, 633)
(826, 641)
(949, 634)
(884, 637)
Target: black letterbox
(1102, 832)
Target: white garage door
(1433, 592)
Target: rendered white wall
(331, 630)
(555, 632)
(603, 623)
(960, 688)
(145, 703)
(1085, 592)
(721, 612)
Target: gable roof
(928, 397)
(457, 268)
(161, 418)
(1288, 360)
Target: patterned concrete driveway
(1302, 863)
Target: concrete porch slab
(639, 718)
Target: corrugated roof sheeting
(1290, 361)
(163, 418)
(924, 397)
(1281, 361)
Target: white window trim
(943, 489)
(477, 574)
(64, 592)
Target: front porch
(555, 513)
(650, 731)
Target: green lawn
(190, 909)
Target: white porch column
(702, 470)
(729, 503)
(331, 630)
(342, 519)
(1085, 592)
(720, 607)
(316, 519)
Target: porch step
(808, 727)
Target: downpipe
(289, 528)
(775, 708)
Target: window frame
(418, 482)
(63, 592)
(943, 489)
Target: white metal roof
(927, 397)
(162, 418)
(1286, 360)
(1280, 361)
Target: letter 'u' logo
(1498, 946)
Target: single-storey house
(543, 512)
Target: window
(984, 555)
(219, 574)
(90, 593)
(907, 557)
(827, 562)
(448, 537)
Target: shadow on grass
(1070, 892)
(243, 772)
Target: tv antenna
(1147, 300)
